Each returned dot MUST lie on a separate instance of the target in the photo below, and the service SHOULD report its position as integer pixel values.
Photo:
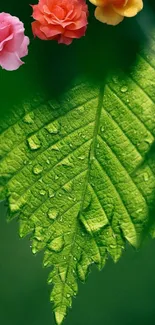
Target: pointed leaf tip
(59, 318)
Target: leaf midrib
(92, 150)
(91, 157)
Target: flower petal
(37, 31)
(130, 9)
(108, 15)
(23, 50)
(4, 42)
(100, 3)
(4, 32)
(10, 61)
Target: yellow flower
(112, 12)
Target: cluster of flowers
(60, 20)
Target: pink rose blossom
(60, 20)
(13, 42)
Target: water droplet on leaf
(81, 157)
(146, 177)
(34, 143)
(68, 187)
(42, 192)
(37, 169)
(52, 129)
(66, 162)
(51, 193)
(115, 79)
(124, 89)
(29, 118)
(55, 147)
(57, 244)
(52, 213)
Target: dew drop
(148, 139)
(52, 213)
(102, 128)
(55, 147)
(28, 118)
(68, 295)
(124, 89)
(57, 244)
(146, 177)
(115, 79)
(62, 273)
(52, 129)
(42, 192)
(67, 163)
(112, 246)
(81, 109)
(74, 258)
(48, 162)
(34, 143)
(51, 193)
(81, 157)
(37, 169)
(139, 210)
(67, 187)
(34, 250)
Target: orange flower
(112, 12)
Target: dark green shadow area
(50, 68)
(121, 294)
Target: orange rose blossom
(112, 12)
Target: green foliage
(78, 173)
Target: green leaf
(78, 173)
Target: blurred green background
(122, 294)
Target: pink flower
(60, 20)
(13, 42)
